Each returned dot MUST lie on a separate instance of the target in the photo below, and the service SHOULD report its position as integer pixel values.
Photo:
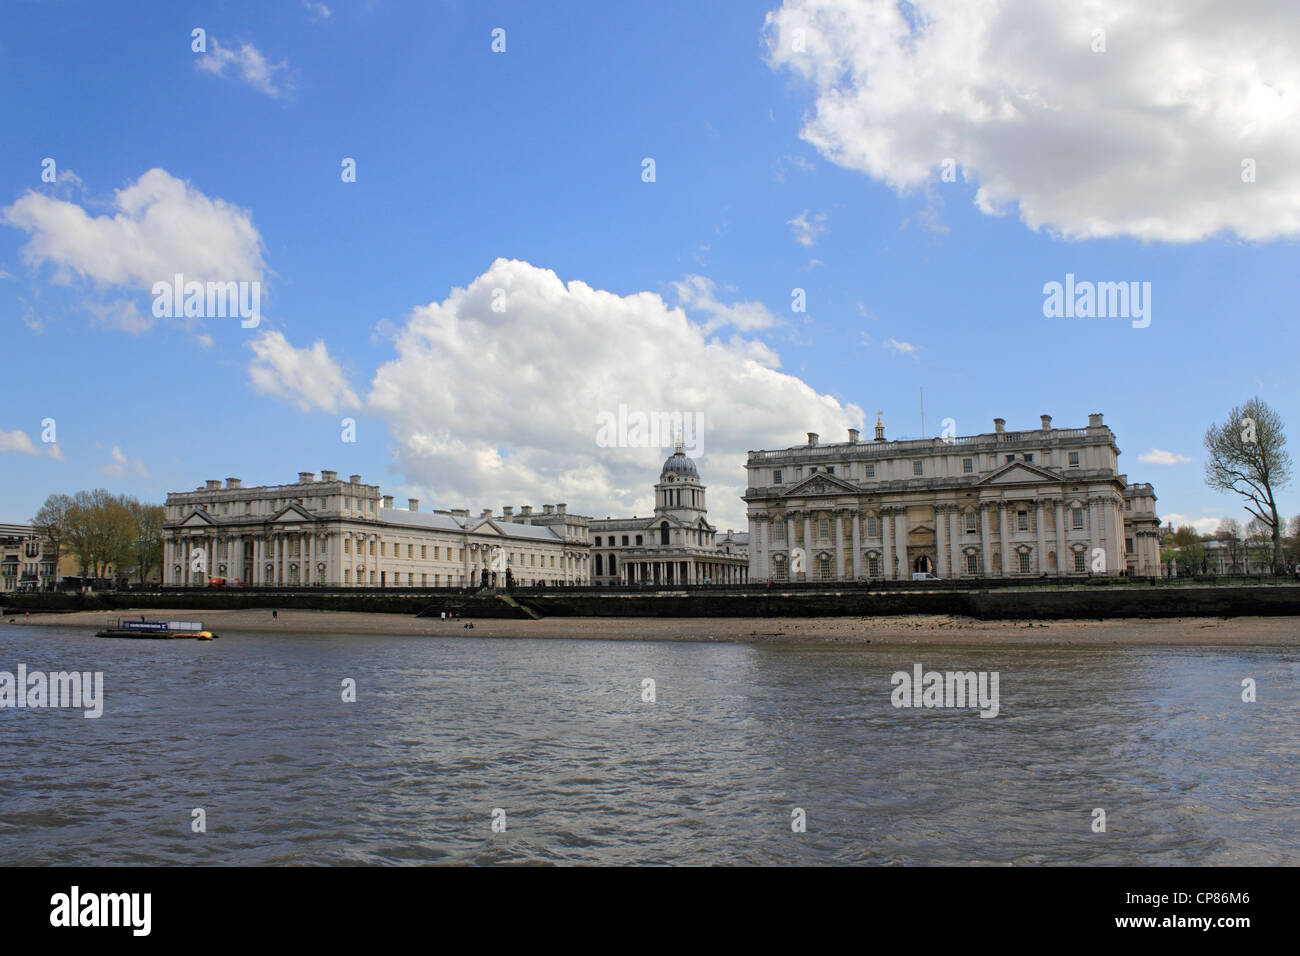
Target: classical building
(1048, 501)
(26, 559)
(327, 532)
(676, 545)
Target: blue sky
(776, 168)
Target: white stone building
(676, 545)
(1048, 501)
(327, 532)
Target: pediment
(1020, 473)
(197, 519)
(820, 483)
(292, 514)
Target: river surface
(253, 730)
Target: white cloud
(1146, 139)
(699, 294)
(123, 315)
(162, 226)
(121, 465)
(903, 348)
(1202, 525)
(19, 441)
(1158, 457)
(308, 377)
(806, 231)
(492, 408)
(249, 65)
(317, 11)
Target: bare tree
(1229, 533)
(51, 522)
(1248, 456)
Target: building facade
(26, 560)
(329, 532)
(1048, 501)
(674, 546)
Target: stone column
(1060, 536)
(807, 546)
(857, 544)
(837, 528)
(986, 550)
(955, 531)
(940, 542)
(765, 529)
(900, 543)
(1042, 536)
(1004, 539)
(886, 543)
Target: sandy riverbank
(932, 629)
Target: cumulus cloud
(807, 230)
(1202, 525)
(1157, 456)
(317, 11)
(902, 348)
(495, 406)
(698, 294)
(121, 465)
(308, 377)
(17, 441)
(162, 226)
(1146, 139)
(248, 64)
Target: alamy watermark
(1100, 300)
(179, 299)
(636, 429)
(36, 689)
(946, 689)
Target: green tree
(51, 522)
(1248, 456)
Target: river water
(253, 730)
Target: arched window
(599, 572)
(663, 533)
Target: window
(1074, 459)
(823, 528)
(424, 552)
(972, 521)
(873, 566)
(347, 576)
(663, 533)
(372, 549)
(917, 468)
(598, 541)
(871, 469)
(779, 570)
(967, 465)
(830, 469)
(424, 580)
(372, 577)
(1022, 520)
(410, 551)
(873, 526)
(1128, 545)
(638, 539)
(824, 571)
(1010, 458)
(1076, 518)
(778, 531)
(1024, 563)
(600, 567)
(972, 564)
(1079, 560)
(347, 545)
(625, 541)
(613, 565)
(776, 477)
(436, 549)
(410, 579)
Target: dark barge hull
(154, 635)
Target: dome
(679, 464)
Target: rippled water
(252, 729)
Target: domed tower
(679, 492)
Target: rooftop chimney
(233, 483)
(526, 510)
(460, 512)
(213, 483)
(329, 476)
(548, 509)
(388, 501)
(812, 439)
(1046, 420)
(1094, 420)
(413, 504)
(355, 480)
(853, 436)
(999, 425)
(306, 477)
(561, 509)
(487, 513)
(507, 511)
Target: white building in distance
(1050, 501)
(327, 532)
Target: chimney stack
(999, 425)
(853, 436)
(1046, 420)
(561, 509)
(329, 476)
(355, 480)
(233, 483)
(388, 501)
(548, 509)
(211, 483)
(413, 504)
(812, 439)
(1094, 420)
(306, 477)
(487, 513)
(526, 510)
(507, 511)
